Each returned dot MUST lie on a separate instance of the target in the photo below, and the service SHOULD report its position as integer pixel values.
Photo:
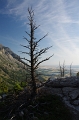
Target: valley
(12, 72)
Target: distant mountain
(7, 51)
(11, 68)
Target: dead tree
(70, 70)
(62, 69)
(34, 54)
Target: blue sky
(58, 18)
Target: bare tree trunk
(70, 70)
(62, 69)
(33, 53)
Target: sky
(58, 18)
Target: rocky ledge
(68, 89)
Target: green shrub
(23, 84)
(78, 74)
(3, 87)
(17, 87)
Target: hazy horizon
(57, 66)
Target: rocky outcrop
(64, 82)
(68, 89)
(7, 51)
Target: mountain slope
(11, 70)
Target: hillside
(11, 70)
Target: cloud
(9, 39)
(52, 11)
(55, 17)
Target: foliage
(17, 87)
(3, 87)
(23, 84)
(11, 71)
(78, 74)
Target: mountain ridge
(11, 68)
(7, 50)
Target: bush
(78, 74)
(3, 87)
(23, 84)
(17, 87)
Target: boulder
(74, 94)
(68, 89)
(76, 102)
(64, 82)
(4, 96)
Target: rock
(4, 96)
(21, 113)
(70, 92)
(74, 94)
(68, 89)
(0, 97)
(76, 102)
(35, 118)
(46, 113)
(64, 82)
(26, 111)
(49, 90)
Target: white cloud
(10, 40)
(53, 15)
